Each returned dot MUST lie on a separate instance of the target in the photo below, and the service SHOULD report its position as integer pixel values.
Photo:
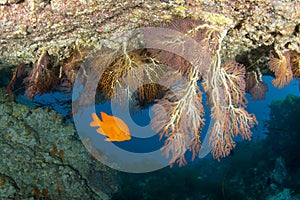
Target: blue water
(61, 103)
(261, 108)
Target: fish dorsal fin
(106, 117)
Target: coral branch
(282, 68)
(42, 78)
(255, 85)
(225, 87)
(179, 116)
(70, 66)
(132, 71)
(16, 74)
(295, 64)
(228, 103)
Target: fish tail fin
(96, 121)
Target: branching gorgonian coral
(133, 71)
(285, 65)
(281, 67)
(180, 117)
(228, 102)
(255, 85)
(42, 78)
(178, 109)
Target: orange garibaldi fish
(114, 128)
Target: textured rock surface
(29, 27)
(41, 157)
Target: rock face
(29, 27)
(41, 157)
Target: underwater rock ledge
(42, 158)
(61, 27)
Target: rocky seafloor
(42, 157)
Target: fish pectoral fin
(99, 130)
